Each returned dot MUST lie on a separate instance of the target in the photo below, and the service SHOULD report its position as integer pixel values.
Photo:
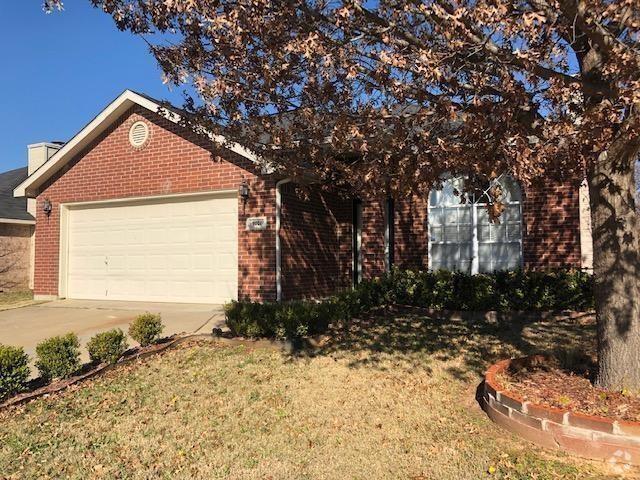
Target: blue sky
(60, 70)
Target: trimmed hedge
(14, 370)
(440, 290)
(501, 291)
(283, 320)
(146, 328)
(58, 357)
(107, 346)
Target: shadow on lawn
(466, 341)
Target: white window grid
(463, 231)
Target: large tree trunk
(616, 264)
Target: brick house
(16, 233)
(136, 207)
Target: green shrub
(250, 319)
(146, 328)
(439, 290)
(503, 291)
(58, 357)
(14, 370)
(300, 318)
(107, 346)
(282, 320)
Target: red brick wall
(410, 230)
(373, 261)
(317, 234)
(551, 223)
(174, 160)
(551, 230)
(315, 242)
(314, 257)
(411, 233)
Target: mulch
(570, 390)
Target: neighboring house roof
(99, 124)
(13, 210)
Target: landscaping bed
(520, 292)
(571, 389)
(39, 386)
(58, 358)
(579, 431)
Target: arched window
(461, 236)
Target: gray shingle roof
(11, 207)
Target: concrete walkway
(28, 326)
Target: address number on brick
(255, 224)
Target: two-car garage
(172, 249)
(139, 207)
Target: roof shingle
(11, 207)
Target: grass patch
(11, 299)
(390, 398)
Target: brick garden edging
(599, 438)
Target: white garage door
(177, 250)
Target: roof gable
(98, 125)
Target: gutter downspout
(279, 183)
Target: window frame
(475, 205)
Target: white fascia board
(15, 221)
(82, 139)
(109, 115)
(176, 118)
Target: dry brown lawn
(15, 299)
(392, 398)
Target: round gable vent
(138, 134)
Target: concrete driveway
(28, 326)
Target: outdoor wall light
(47, 207)
(244, 190)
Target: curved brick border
(584, 435)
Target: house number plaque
(255, 224)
